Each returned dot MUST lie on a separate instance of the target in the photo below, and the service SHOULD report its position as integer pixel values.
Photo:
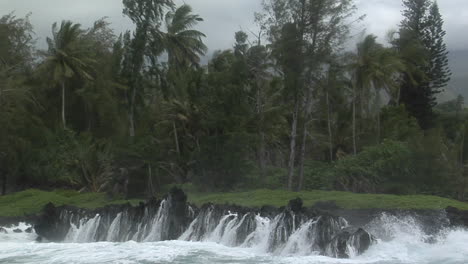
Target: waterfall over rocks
(292, 230)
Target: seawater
(401, 240)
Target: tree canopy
(285, 107)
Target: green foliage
(67, 54)
(183, 44)
(72, 160)
(261, 197)
(398, 124)
(288, 102)
(424, 52)
(32, 201)
(365, 172)
(318, 176)
(275, 178)
(16, 41)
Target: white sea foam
(401, 241)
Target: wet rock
(361, 240)
(17, 230)
(326, 205)
(50, 225)
(349, 243)
(269, 211)
(3, 231)
(28, 230)
(326, 228)
(295, 205)
(173, 218)
(457, 217)
(14, 221)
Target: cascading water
(171, 231)
(401, 240)
(285, 232)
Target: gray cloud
(224, 17)
(385, 15)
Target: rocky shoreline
(332, 231)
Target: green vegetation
(32, 201)
(345, 200)
(126, 114)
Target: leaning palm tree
(183, 44)
(374, 67)
(67, 56)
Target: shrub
(376, 165)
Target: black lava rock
(457, 217)
(295, 205)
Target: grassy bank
(343, 199)
(32, 201)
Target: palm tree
(66, 57)
(183, 44)
(374, 67)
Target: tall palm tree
(374, 67)
(66, 57)
(183, 44)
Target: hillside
(459, 84)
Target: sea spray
(293, 230)
(407, 246)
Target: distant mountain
(458, 61)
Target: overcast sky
(224, 17)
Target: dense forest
(289, 106)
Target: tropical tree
(373, 68)
(438, 69)
(67, 57)
(147, 16)
(16, 41)
(422, 28)
(15, 122)
(184, 45)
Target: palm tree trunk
(292, 146)
(305, 132)
(330, 135)
(3, 174)
(398, 99)
(4, 183)
(378, 117)
(131, 115)
(261, 147)
(302, 156)
(150, 182)
(1, 94)
(89, 116)
(378, 128)
(176, 138)
(462, 167)
(354, 121)
(64, 120)
(464, 185)
(261, 155)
